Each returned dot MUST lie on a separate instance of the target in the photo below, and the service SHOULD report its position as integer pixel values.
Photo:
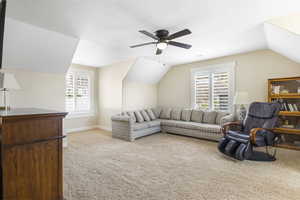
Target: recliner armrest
(226, 126)
(254, 132)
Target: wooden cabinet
(31, 155)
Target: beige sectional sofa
(196, 123)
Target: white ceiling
(108, 27)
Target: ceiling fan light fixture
(162, 45)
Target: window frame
(91, 79)
(209, 69)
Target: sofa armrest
(122, 118)
(226, 119)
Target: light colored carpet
(169, 167)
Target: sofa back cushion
(139, 117)
(165, 113)
(209, 117)
(186, 115)
(151, 114)
(197, 116)
(145, 116)
(220, 115)
(176, 114)
(132, 115)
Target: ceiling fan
(163, 39)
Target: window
(213, 87)
(78, 92)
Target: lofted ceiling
(107, 28)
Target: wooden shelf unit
(294, 97)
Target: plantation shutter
(78, 92)
(70, 92)
(82, 93)
(220, 91)
(202, 90)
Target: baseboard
(106, 128)
(86, 128)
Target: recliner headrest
(264, 110)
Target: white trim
(80, 115)
(86, 128)
(106, 128)
(230, 66)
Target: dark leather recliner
(255, 131)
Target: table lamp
(7, 82)
(241, 99)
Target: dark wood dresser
(31, 154)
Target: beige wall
(110, 90)
(39, 90)
(137, 95)
(47, 91)
(88, 121)
(252, 71)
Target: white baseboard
(106, 128)
(86, 128)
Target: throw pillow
(186, 115)
(145, 116)
(165, 113)
(210, 117)
(151, 114)
(176, 114)
(156, 112)
(197, 116)
(132, 116)
(139, 117)
(220, 116)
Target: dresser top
(17, 112)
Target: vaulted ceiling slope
(37, 49)
(108, 27)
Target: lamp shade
(8, 81)
(241, 98)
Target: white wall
(110, 91)
(252, 71)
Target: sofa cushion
(176, 114)
(220, 115)
(186, 115)
(210, 117)
(197, 116)
(154, 123)
(151, 114)
(140, 126)
(132, 115)
(211, 128)
(139, 117)
(156, 112)
(165, 113)
(145, 115)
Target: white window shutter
(202, 91)
(82, 93)
(220, 91)
(70, 92)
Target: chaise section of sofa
(196, 123)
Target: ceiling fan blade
(178, 44)
(158, 51)
(179, 34)
(144, 44)
(149, 34)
